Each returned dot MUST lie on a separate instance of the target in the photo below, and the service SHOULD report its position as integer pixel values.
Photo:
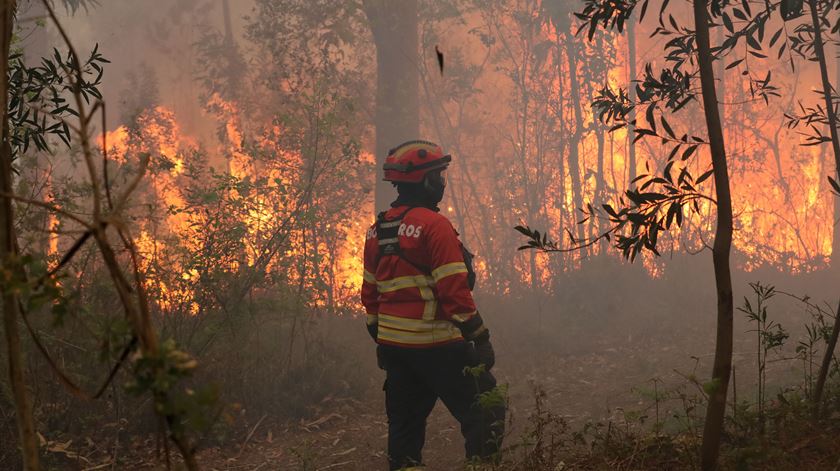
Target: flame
(788, 227)
(158, 134)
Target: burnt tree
(394, 26)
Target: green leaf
(689, 151)
(775, 37)
(834, 185)
(727, 23)
(704, 176)
(668, 128)
(734, 64)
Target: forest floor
(603, 384)
(619, 378)
(350, 433)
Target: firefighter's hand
(380, 357)
(484, 352)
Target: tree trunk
(830, 345)
(394, 25)
(560, 259)
(835, 242)
(819, 52)
(722, 367)
(600, 225)
(8, 249)
(631, 62)
(574, 144)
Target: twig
(335, 465)
(250, 434)
(48, 206)
(133, 300)
(99, 466)
(65, 380)
(105, 178)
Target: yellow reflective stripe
(414, 325)
(418, 338)
(369, 277)
(462, 317)
(430, 307)
(403, 282)
(372, 319)
(449, 269)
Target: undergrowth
(779, 431)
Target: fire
(521, 171)
(263, 190)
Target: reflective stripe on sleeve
(369, 277)
(372, 319)
(449, 269)
(463, 317)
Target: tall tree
(661, 200)
(819, 10)
(722, 367)
(835, 241)
(632, 72)
(394, 26)
(8, 255)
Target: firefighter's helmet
(411, 161)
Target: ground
(616, 376)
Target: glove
(484, 352)
(472, 328)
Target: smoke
(153, 55)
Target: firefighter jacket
(418, 297)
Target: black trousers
(416, 378)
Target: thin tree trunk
(819, 51)
(835, 240)
(631, 60)
(574, 145)
(397, 118)
(600, 181)
(721, 370)
(826, 363)
(8, 253)
(599, 225)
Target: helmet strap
(434, 186)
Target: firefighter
(431, 340)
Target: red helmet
(411, 161)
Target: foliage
(660, 200)
(770, 336)
(38, 105)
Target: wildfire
(783, 212)
(264, 208)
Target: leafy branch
(637, 223)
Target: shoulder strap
(468, 261)
(387, 234)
